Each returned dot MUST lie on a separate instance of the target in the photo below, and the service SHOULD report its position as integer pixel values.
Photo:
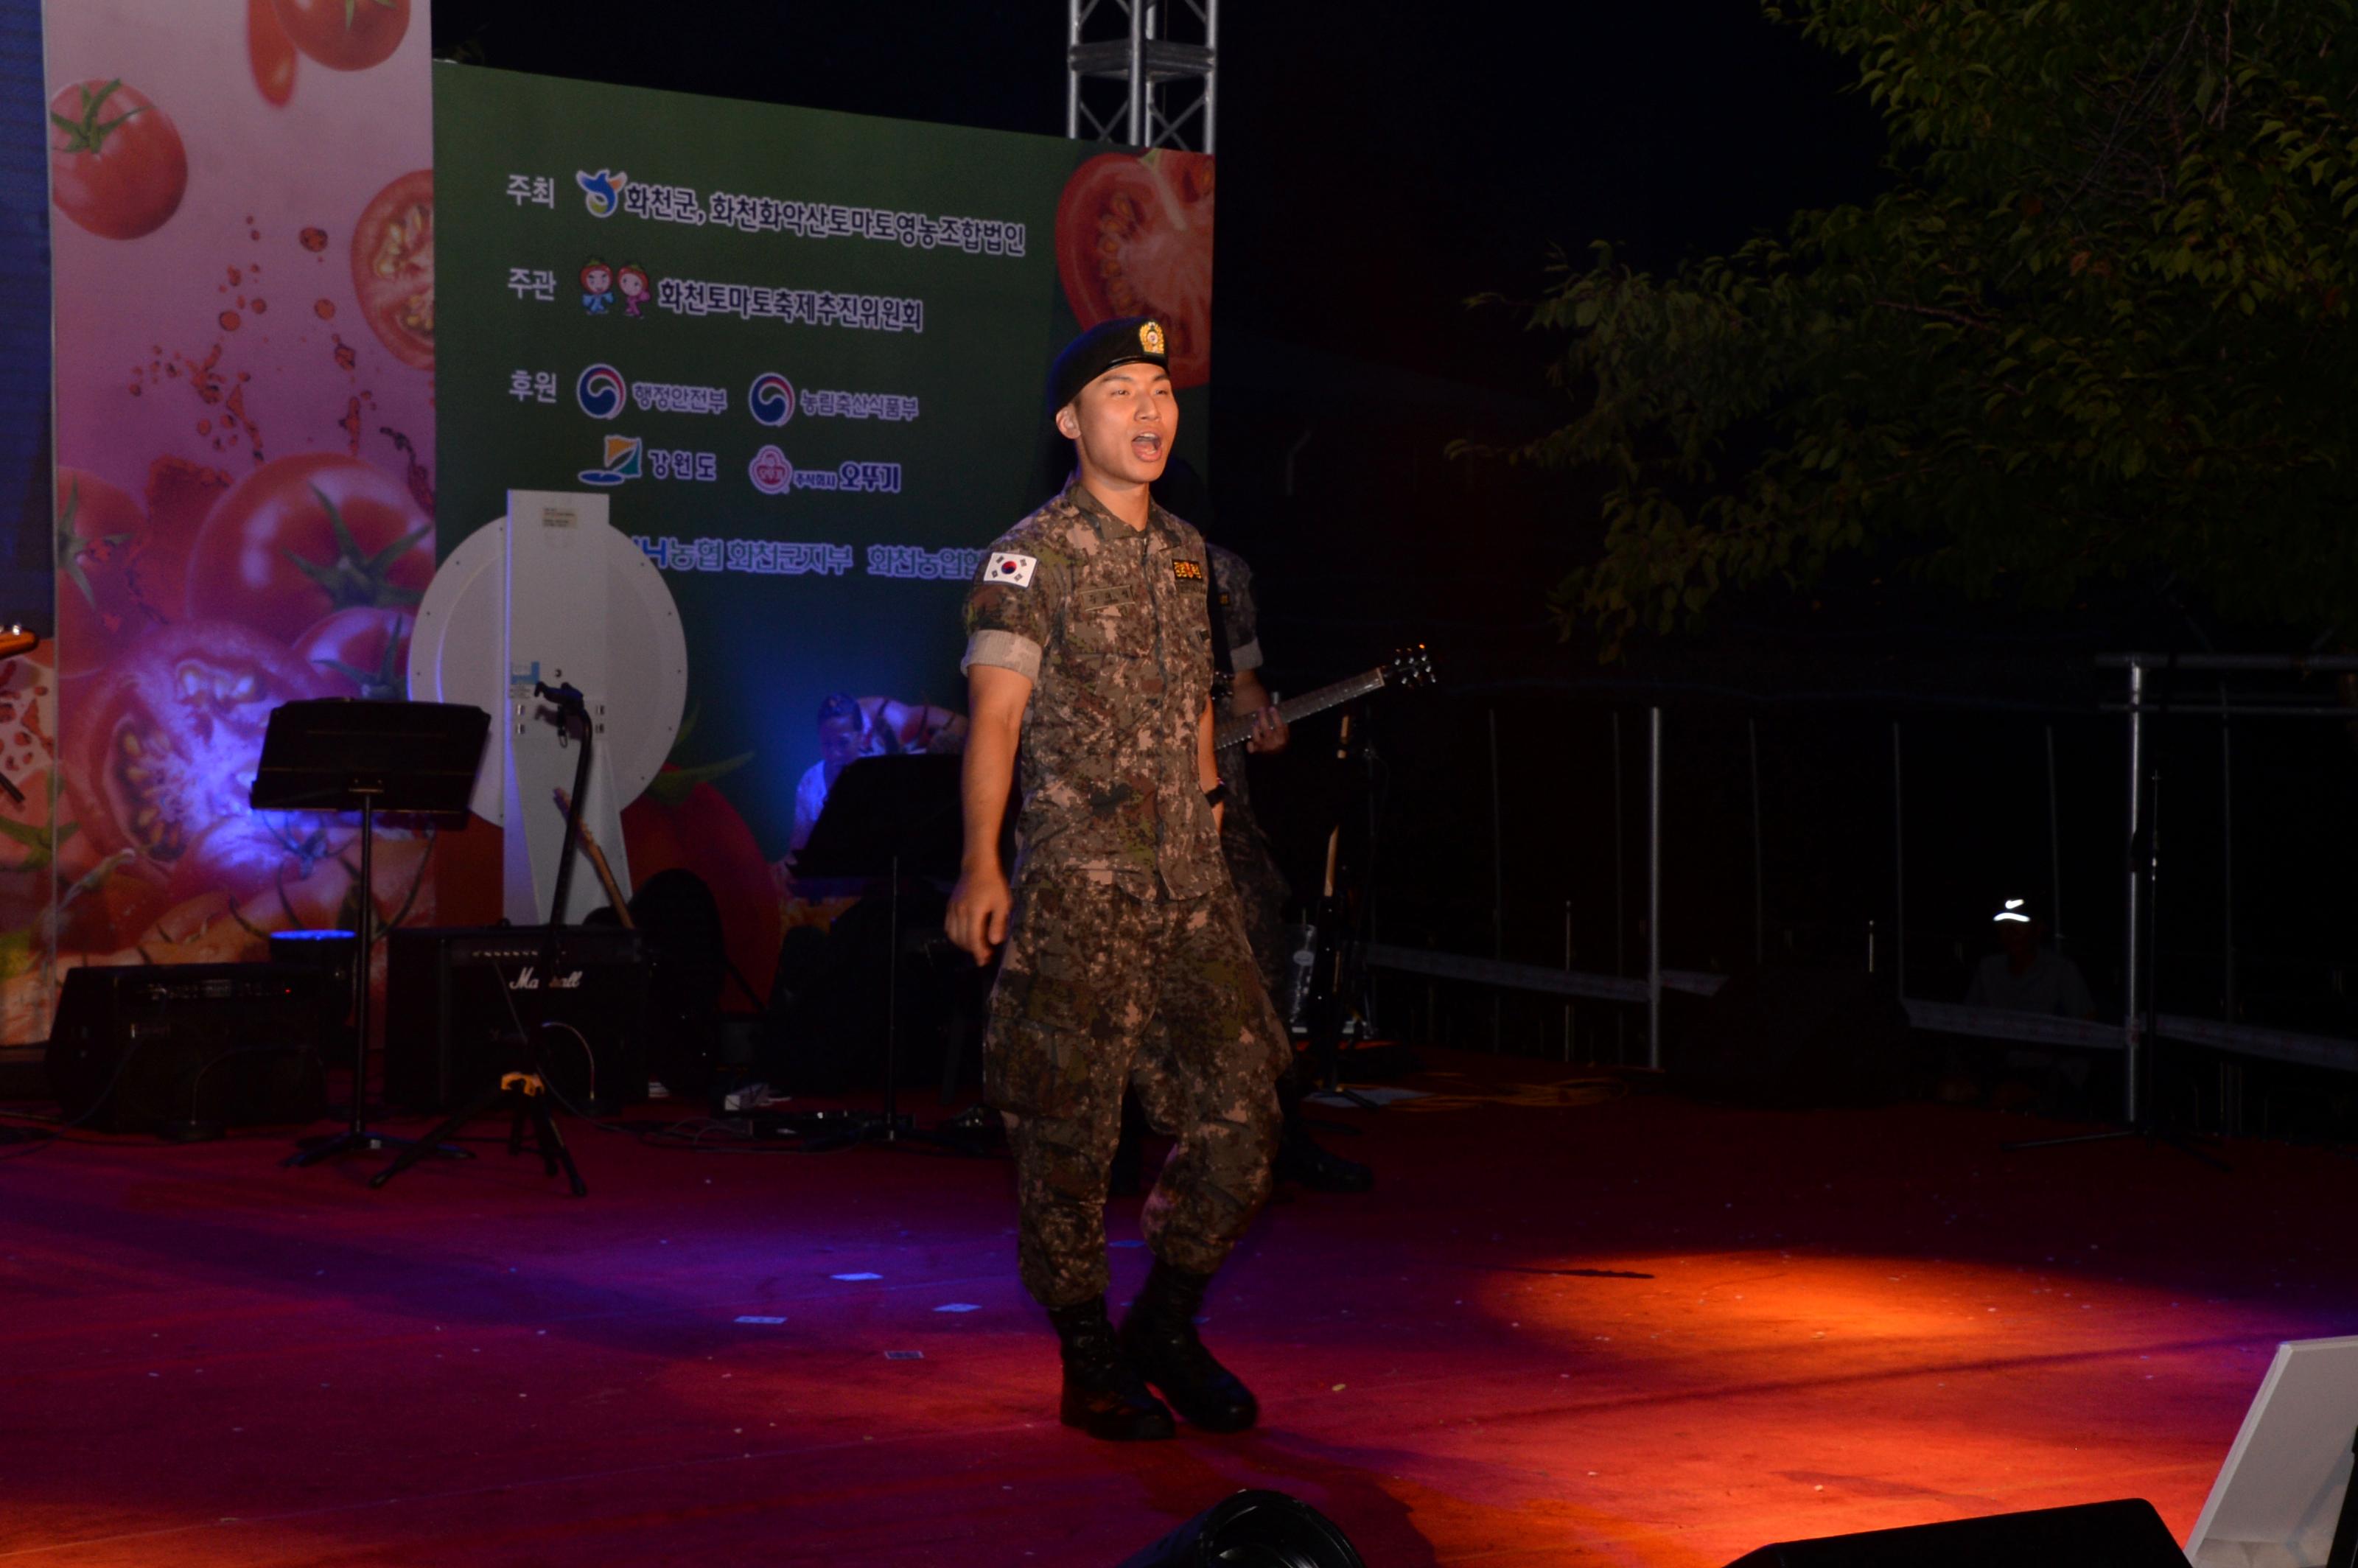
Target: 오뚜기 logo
(622, 463)
(601, 192)
(601, 391)
(771, 472)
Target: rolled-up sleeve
(1008, 650)
(1009, 626)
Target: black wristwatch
(1217, 796)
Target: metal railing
(1937, 1017)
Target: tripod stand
(522, 1085)
(345, 755)
(1338, 966)
(2140, 1107)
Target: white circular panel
(457, 653)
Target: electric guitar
(1410, 666)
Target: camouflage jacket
(1109, 626)
(1241, 619)
(1232, 580)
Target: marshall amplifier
(452, 993)
(176, 1048)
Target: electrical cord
(587, 1056)
(317, 1060)
(548, 1079)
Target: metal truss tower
(1143, 72)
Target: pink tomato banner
(242, 217)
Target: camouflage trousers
(1100, 990)
(1260, 890)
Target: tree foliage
(2097, 324)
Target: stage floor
(1641, 1331)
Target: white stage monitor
(2279, 1493)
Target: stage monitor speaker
(2285, 1493)
(159, 1047)
(1253, 1526)
(2123, 1534)
(452, 992)
(1796, 1037)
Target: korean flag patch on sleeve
(1013, 570)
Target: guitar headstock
(1410, 666)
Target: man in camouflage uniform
(1089, 662)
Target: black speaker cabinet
(452, 992)
(2123, 1534)
(144, 1048)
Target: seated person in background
(852, 728)
(2025, 975)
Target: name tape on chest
(1013, 569)
(1187, 571)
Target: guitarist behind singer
(1261, 886)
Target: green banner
(804, 353)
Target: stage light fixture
(1254, 1529)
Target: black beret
(1126, 340)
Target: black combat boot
(1104, 1395)
(1158, 1333)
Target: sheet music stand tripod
(891, 817)
(521, 1082)
(1338, 968)
(347, 755)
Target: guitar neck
(1237, 732)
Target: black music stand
(345, 755)
(890, 817)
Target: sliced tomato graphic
(163, 744)
(393, 268)
(1134, 238)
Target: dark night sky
(1374, 172)
(1378, 166)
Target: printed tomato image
(392, 267)
(162, 745)
(683, 821)
(359, 652)
(1134, 238)
(116, 165)
(30, 841)
(270, 51)
(301, 537)
(102, 534)
(181, 496)
(103, 909)
(345, 35)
